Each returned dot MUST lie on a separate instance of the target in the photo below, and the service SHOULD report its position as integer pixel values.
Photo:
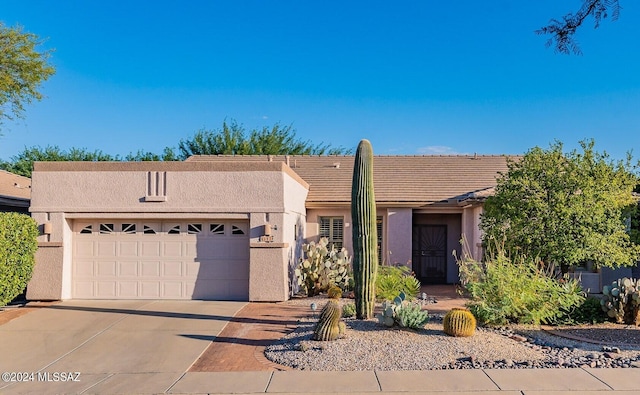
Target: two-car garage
(154, 259)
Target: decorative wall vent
(156, 186)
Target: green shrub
(18, 244)
(589, 312)
(349, 310)
(393, 280)
(503, 290)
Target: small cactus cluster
(329, 326)
(323, 267)
(403, 313)
(459, 322)
(621, 301)
(349, 310)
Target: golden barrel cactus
(459, 322)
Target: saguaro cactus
(365, 235)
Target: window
(175, 230)
(128, 229)
(106, 229)
(216, 229)
(194, 229)
(87, 229)
(333, 229)
(149, 229)
(379, 230)
(236, 230)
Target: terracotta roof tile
(414, 180)
(14, 186)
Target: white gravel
(371, 346)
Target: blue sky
(413, 77)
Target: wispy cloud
(439, 150)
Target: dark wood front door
(430, 253)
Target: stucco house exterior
(231, 227)
(15, 192)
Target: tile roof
(14, 186)
(399, 180)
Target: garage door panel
(172, 269)
(150, 289)
(106, 248)
(173, 260)
(128, 289)
(106, 269)
(84, 248)
(106, 289)
(128, 248)
(83, 289)
(150, 269)
(172, 248)
(84, 268)
(213, 270)
(172, 290)
(128, 269)
(150, 248)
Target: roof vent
(336, 165)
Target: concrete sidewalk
(476, 381)
(460, 382)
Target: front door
(430, 253)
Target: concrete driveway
(108, 346)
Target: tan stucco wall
(265, 193)
(46, 282)
(268, 282)
(399, 229)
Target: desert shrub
(394, 280)
(589, 312)
(18, 244)
(503, 290)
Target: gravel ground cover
(371, 346)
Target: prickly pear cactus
(365, 237)
(323, 267)
(621, 301)
(459, 322)
(329, 326)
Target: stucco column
(268, 277)
(399, 235)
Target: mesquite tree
(365, 235)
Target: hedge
(18, 244)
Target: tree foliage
(565, 209)
(22, 71)
(562, 31)
(234, 139)
(22, 163)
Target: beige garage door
(129, 259)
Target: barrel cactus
(365, 237)
(459, 322)
(621, 301)
(334, 292)
(329, 326)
